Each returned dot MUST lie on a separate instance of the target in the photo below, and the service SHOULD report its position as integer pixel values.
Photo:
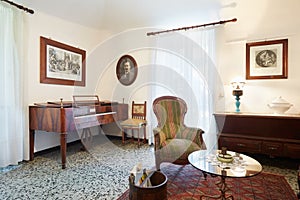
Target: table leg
(123, 136)
(223, 189)
(31, 144)
(63, 149)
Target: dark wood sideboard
(273, 135)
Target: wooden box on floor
(157, 191)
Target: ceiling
(118, 15)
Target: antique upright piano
(83, 112)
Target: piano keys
(63, 117)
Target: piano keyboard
(97, 114)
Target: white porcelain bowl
(280, 106)
(279, 109)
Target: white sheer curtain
(185, 67)
(12, 132)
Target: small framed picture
(126, 70)
(267, 59)
(61, 64)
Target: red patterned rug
(188, 183)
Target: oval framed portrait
(126, 70)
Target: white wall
(259, 21)
(59, 30)
(132, 42)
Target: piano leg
(87, 138)
(63, 149)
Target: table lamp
(237, 92)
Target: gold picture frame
(267, 59)
(61, 64)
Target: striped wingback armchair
(174, 141)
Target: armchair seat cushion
(177, 149)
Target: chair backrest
(138, 110)
(170, 112)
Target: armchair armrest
(193, 134)
(159, 137)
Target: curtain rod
(19, 6)
(192, 27)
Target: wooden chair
(173, 140)
(136, 122)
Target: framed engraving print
(126, 70)
(61, 64)
(267, 59)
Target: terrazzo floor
(99, 173)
